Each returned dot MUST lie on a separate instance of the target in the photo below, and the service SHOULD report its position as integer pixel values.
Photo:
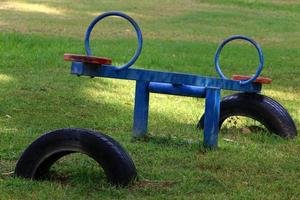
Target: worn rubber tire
(37, 159)
(258, 107)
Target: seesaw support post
(141, 108)
(212, 115)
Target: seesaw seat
(260, 79)
(87, 59)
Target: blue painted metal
(128, 18)
(177, 89)
(170, 83)
(141, 108)
(241, 37)
(212, 115)
(162, 77)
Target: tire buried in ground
(37, 159)
(261, 108)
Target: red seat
(87, 59)
(260, 79)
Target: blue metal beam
(212, 115)
(93, 70)
(141, 108)
(173, 89)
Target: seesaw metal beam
(94, 70)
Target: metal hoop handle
(128, 18)
(240, 37)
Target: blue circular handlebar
(128, 18)
(241, 37)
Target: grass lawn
(38, 95)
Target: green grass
(39, 95)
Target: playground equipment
(249, 103)
(118, 166)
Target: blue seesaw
(119, 168)
(148, 81)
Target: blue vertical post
(212, 115)
(141, 108)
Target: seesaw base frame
(148, 81)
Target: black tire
(260, 108)
(37, 159)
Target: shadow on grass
(168, 140)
